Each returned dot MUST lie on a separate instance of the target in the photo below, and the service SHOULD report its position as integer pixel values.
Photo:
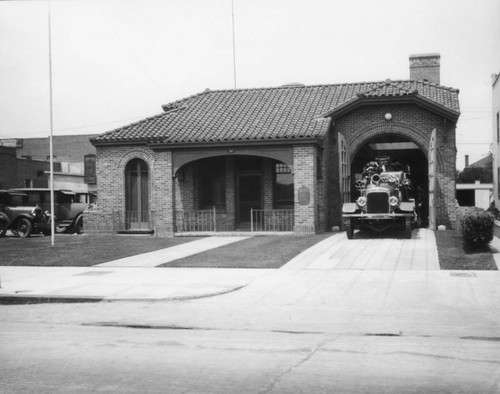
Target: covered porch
(234, 191)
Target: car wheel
(4, 225)
(349, 230)
(79, 225)
(24, 227)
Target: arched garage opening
(400, 150)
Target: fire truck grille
(377, 203)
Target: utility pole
(51, 150)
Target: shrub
(494, 211)
(475, 226)
(462, 212)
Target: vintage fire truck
(384, 200)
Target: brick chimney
(425, 66)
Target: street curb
(175, 298)
(7, 299)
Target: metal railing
(196, 220)
(134, 220)
(271, 219)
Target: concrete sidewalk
(118, 283)
(158, 257)
(313, 276)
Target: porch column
(268, 184)
(305, 189)
(230, 215)
(162, 195)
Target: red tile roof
(288, 112)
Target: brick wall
(315, 172)
(111, 163)
(305, 184)
(411, 121)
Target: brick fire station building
(275, 159)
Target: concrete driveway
(369, 251)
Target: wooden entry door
(432, 181)
(249, 196)
(344, 171)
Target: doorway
(249, 195)
(137, 195)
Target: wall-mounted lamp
(231, 150)
(388, 116)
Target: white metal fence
(272, 220)
(264, 220)
(196, 220)
(134, 220)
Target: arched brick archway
(137, 153)
(362, 136)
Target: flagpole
(234, 44)
(51, 151)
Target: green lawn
(78, 250)
(453, 255)
(255, 252)
(88, 250)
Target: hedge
(475, 226)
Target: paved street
(55, 358)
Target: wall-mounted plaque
(304, 195)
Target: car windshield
(17, 199)
(65, 198)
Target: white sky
(117, 61)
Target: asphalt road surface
(38, 357)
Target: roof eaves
(247, 142)
(361, 99)
(436, 107)
(342, 108)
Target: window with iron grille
(283, 191)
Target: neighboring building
(496, 137)
(25, 172)
(281, 159)
(475, 184)
(28, 160)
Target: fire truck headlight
(361, 201)
(393, 201)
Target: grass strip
(454, 256)
(254, 252)
(79, 250)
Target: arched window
(137, 192)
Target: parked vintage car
(21, 217)
(384, 201)
(68, 210)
